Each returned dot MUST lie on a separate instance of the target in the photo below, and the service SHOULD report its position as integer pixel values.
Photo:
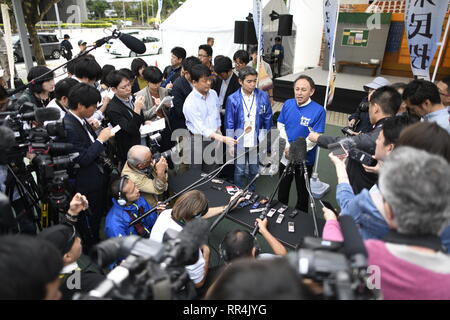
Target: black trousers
(302, 192)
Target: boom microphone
(132, 43)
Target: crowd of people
(400, 205)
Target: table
(304, 225)
(373, 66)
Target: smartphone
(293, 213)
(291, 226)
(280, 218)
(282, 209)
(328, 205)
(256, 210)
(256, 205)
(218, 181)
(271, 212)
(337, 149)
(363, 157)
(248, 195)
(254, 198)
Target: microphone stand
(311, 199)
(263, 214)
(231, 205)
(197, 183)
(97, 44)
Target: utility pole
(146, 2)
(124, 14)
(26, 47)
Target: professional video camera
(51, 160)
(341, 268)
(150, 270)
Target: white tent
(195, 20)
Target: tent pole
(441, 50)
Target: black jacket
(89, 176)
(130, 122)
(180, 90)
(359, 178)
(232, 87)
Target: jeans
(242, 176)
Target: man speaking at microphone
(296, 117)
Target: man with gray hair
(150, 177)
(412, 264)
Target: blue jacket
(366, 215)
(117, 220)
(234, 113)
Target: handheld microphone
(353, 245)
(132, 43)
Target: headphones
(120, 199)
(224, 250)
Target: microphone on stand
(232, 204)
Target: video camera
(150, 270)
(341, 267)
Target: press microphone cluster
(40, 115)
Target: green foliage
(97, 6)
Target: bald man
(149, 177)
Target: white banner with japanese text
(423, 22)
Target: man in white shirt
(202, 112)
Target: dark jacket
(170, 75)
(232, 87)
(359, 178)
(89, 177)
(361, 116)
(28, 96)
(180, 90)
(130, 122)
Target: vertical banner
(158, 13)
(258, 21)
(423, 22)
(7, 36)
(330, 17)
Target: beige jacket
(149, 188)
(148, 109)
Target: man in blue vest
(248, 112)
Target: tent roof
(217, 15)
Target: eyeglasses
(444, 94)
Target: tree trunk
(37, 49)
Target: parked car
(153, 45)
(49, 43)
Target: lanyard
(251, 106)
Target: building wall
(70, 11)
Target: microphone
(301, 142)
(232, 204)
(353, 245)
(132, 43)
(192, 237)
(40, 114)
(7, 138)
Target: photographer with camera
(92, 176)
(149, 176)
(413, 264)
(384, 103)
(359, 121)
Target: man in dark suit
(125, 112)
(225, 84)
(182, 87)
(90, 178)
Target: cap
(66, 36)
(376, 83)
(62, 236)
(223, 64)
(81, 42)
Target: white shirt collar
(70, 268)
(199, 95)
(306, 103)
(244, 95)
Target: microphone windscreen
(47, 114)
(301, 148)
(353, 242)
(132, 43)
(193, 236)
(348, 143)
(7, 138)
(297, 150)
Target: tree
(33, 14)
(98, 6)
